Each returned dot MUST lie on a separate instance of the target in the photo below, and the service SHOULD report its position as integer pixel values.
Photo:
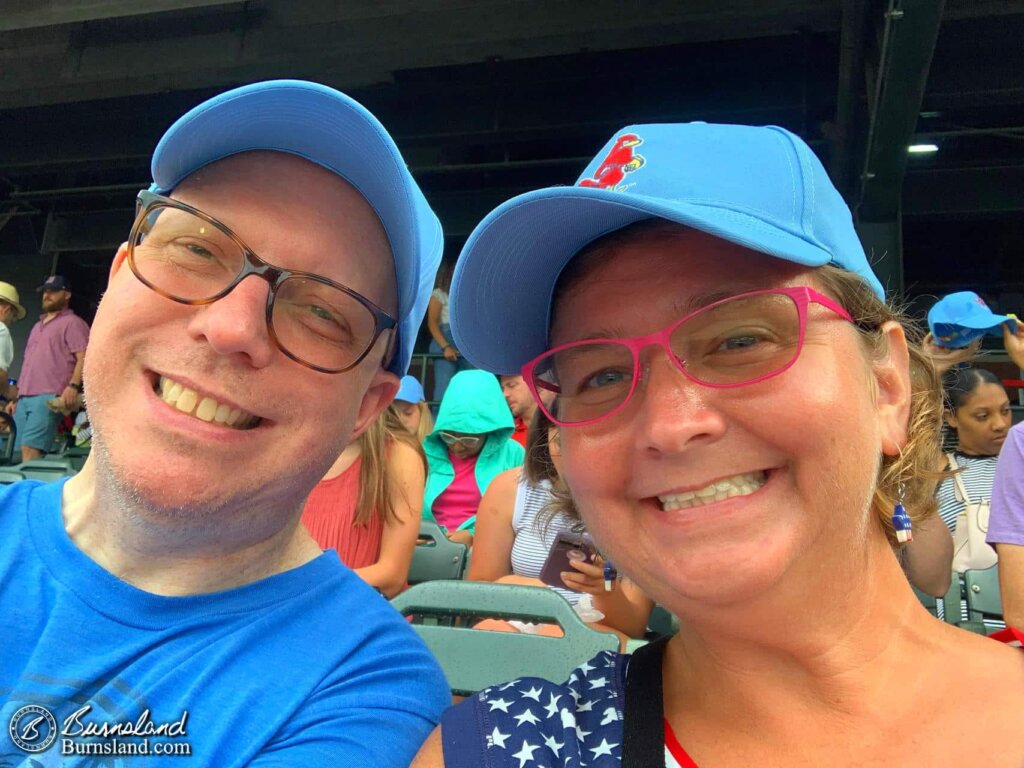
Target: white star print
(604, 748)
(497, 738)
(568, 720)
(610, 716)
(585, 668)
(526, 717)
(585, 706)
(499, 704)
(553, 745)
(581, 734)
(533, 693)
(598, 682)
(552, 707)
(525, 753)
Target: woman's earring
(901, 520)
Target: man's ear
(119, 257)
(382, 390)
(893, 387)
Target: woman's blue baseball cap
(960, 318)
(334, 131)
(410, 390)
(760, 187)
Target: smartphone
(566, 546)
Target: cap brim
(511, 262)
(988, 322)
(327, 128)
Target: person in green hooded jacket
(469, 446)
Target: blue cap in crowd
(762, 188)
(55, 283)
(410, 391)
(960, 318)
(328, 128)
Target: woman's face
(409, 415)
(982, 420)
(799, 452)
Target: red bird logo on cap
(617, 163)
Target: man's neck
(48, 316)
(165, 557)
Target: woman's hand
(1013, 343)
(944, 358)
(451, 354)
(588, 577)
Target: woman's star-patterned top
(534, 723)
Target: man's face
(292, 421)
(7, 313)
(518, 397)
(55, 301)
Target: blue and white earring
(901, 520)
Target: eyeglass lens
(735, 342)
(190, 258)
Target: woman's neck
(347, 458)
(835, 647)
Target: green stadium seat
(476, 658)
(437, 556)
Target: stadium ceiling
(488, 98)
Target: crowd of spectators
(878, 456)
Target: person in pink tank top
(366, 507)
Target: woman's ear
(950, 418)
(891, 373)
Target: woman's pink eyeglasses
(734, 342)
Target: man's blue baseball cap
(760, 187)
(410, 391)
(960, 318)
(332, 130)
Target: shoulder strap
(961, 489)
(643, 729)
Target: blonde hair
(376, 484)
(915, 466)
(426, 422)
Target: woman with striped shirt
(519, 517)
(978, 409)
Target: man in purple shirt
(52, 369)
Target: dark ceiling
(490, 98)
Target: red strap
(1010, 636)
(676, 749)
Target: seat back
(8, 476)
(476, 658)
(950, 601)
(48, 469)
(982, 594)
(436, 556)
(76, 456)
(9, 437)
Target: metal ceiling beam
(21, 15)
(909, 32)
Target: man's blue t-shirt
(310, 667)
